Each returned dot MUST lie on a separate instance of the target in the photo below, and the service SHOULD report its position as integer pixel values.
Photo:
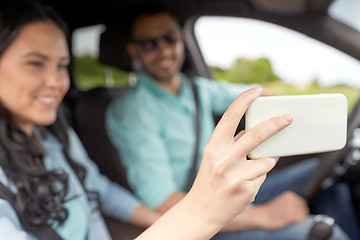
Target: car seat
(90, 125)
(89, 122)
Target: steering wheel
(324, 173)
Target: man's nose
(163, 47)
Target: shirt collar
(149, 83)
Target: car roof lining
(316, 23)
(83, 13)
(309, 17)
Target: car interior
(87, 107)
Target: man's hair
(150, 8)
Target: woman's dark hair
(16, 15)
(40, 192)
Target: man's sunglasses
(170, 39)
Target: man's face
(158, 45)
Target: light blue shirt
(84, 219)
(154, 132)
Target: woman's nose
(54, 78)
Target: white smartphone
(319, 124)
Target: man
(153, 127)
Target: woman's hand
(227, 182)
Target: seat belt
(44, 232)
(193, 170)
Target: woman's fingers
(238, 136)
(257, 168)
(255, 136)
(228, 123)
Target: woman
(56, 187)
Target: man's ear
(131, 49)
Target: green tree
(247, 71)
(89, 73)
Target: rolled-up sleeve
(221, 93)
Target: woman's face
(34, 76)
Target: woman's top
(85, 220)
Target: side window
(281, 60)
(89, 73)
(346, 11)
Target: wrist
(200, 217)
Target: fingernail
(257, 89)
(288, 117)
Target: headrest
(112, 50)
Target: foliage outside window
(89, 73)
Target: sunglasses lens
(151, 44)
(170, 39)
(148, 45)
